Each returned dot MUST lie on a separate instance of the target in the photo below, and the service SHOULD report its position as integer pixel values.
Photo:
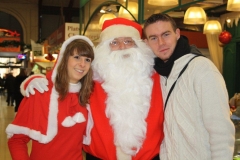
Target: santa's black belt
(91, 157)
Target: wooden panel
(197, 38)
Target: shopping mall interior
(32, 32)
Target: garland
(14, 43)
(10, 43)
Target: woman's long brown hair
(62, 79)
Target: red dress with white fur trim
(55, 127)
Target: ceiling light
(163, 2)
(212, 27)
(102, 11)
(233, 5)
(105, 17)
(133, 9)
(195, 15)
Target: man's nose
(161, 41)
(122, 45)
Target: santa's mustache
(123, 54)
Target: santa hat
(120, 27)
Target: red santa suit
(56, 127)
(102, 135)
(137, 109)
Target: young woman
(56, 120)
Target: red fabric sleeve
(28, 80)
(17, 145)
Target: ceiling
(53, 13)
(212, 7)
(70, 8)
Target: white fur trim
(71, 121)
(74, 88)
(22, 89)
(90, 123)
(51, 126)
(115, 31)
(121, 155)
(36, 135)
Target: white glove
(39, 84)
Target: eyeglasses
(128, 42)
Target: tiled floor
(6, 117)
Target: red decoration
(9, 33)
(225, 37)
(49, 57)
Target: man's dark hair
(159, 17)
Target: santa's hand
(38, 82)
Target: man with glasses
(126, 103)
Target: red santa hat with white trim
(120, 27)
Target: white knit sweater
(197, 122)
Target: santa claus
(126, 104)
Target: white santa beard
(126, 76)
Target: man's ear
(146, 41)
(178, 33)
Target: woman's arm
(18, 148)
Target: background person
(18, 80)
(2, 85)
(10, 87)
(197, 123)
(56, 120)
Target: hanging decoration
(133, 9)
(195, 15)
(105, 17)
(233, 5)
(50, 57)
(12, 43)
(8, 33)
(163, 2)
(212, 27)
(225, 37)
(36, 48)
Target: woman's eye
(88, 60)
(76, 57)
